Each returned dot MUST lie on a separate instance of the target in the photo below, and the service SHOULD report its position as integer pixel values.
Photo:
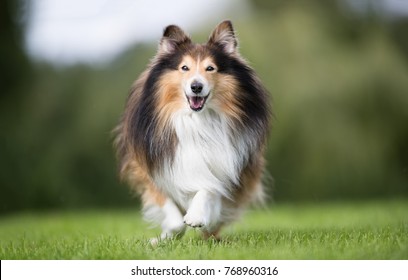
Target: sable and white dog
(193, 133)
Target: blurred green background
(338, 77)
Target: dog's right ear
(173, 38)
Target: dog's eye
(185, 68)
(209, 69)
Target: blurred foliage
(339, 82)
(340, 88)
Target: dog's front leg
(204, 210)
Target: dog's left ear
(224, 36)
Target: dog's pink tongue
(196, 102)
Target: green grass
(368, 230)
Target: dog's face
(193, 79)
(197, 79)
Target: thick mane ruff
(152, 140)
(147, 124)
(252, 99)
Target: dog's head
(196, 74)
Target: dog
(193, 133)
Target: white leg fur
(204, 210)
(172, 223)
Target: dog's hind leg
(213, 234)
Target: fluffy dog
(193, 133)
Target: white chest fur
(207, 157)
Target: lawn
(352, 230)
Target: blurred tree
(15, 75)
(14, 65)
(340, 89)
(399, 34)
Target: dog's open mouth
(197, 102)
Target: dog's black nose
(196, 87)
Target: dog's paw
(194, 219)
(154, 241)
